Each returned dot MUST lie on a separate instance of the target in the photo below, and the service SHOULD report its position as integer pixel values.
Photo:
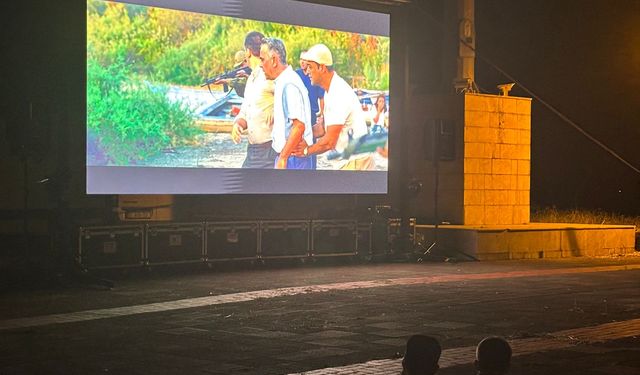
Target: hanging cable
(561, 115)
(533, 95)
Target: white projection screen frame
(114, 179)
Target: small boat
(218, 117)
(215, 126)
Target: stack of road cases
(284, 239)
(383, 231)
(168, 243)
(363, 239)
(232, 240)
(111, 246)
(333, 238)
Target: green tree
(184, 48)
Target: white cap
(319, 53)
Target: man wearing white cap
(344, 119)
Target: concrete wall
(532, 241)
(555, 243)
(488, 181)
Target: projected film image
(176, 89)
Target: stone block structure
(487, 181)
(478, 193)
(497, 159)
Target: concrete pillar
(497, 159)
(466, 45)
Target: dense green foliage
(184, 48)
(131, 119)
(135, 52)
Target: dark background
(581, 57)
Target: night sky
(583, 58)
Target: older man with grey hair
(291, 108)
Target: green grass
(581, 216)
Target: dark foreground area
(283, 320)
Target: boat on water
(214, 111)
(218, 117)
(218, 113)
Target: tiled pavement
(292, 291)
(319, 320)
(567, 339)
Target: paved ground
(578, 316)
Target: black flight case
(111, 246)
(232, 240)
(172, 243)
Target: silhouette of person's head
(422, 356)
(493, 356)
(253, 41)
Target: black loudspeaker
(439, 139)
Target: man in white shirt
(255, 119)
(344, 119)
(291, 108)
